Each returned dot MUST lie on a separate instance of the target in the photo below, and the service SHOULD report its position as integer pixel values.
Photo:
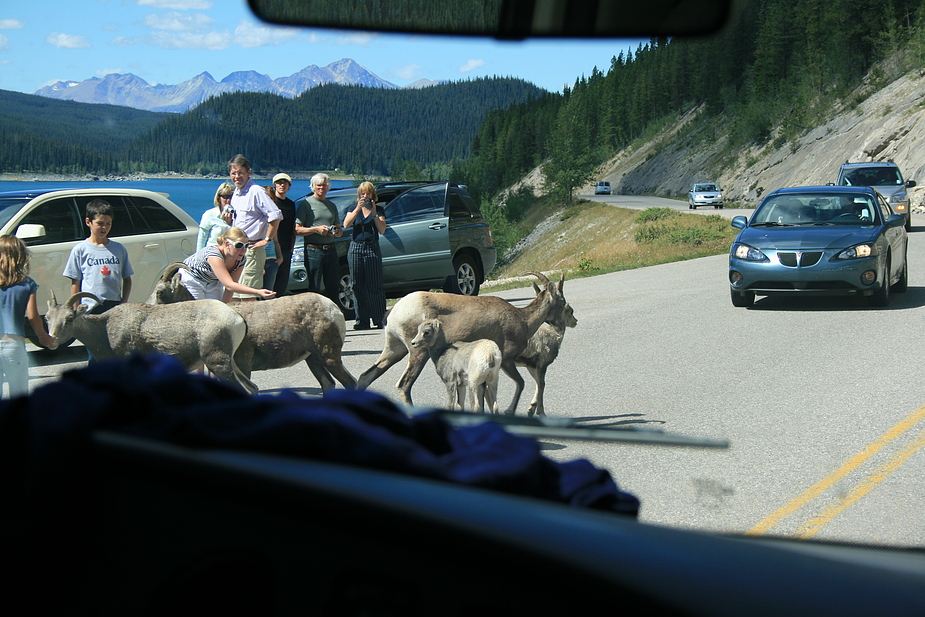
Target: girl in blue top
(17, 299)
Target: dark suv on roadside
(885, 178)
(436, 239)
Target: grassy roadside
(591, 238)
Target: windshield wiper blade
(771, 224)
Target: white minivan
(155, 231)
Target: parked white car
(155, 231)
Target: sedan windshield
(816, 209)
(705, 187)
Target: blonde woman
(214, 270)
(365, 259)
(17, 298)
(212, 224)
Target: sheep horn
(172, 269)
(539, 275)
(53, 298)
(77, 296)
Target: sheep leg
(510, 369)
(451, 395)
(336, 367)
(393, 351)
(539, 376)
(416, 361)
(321, 373)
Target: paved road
(820, 398)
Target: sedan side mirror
(896, 220)
(740, 222)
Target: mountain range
(130, 90)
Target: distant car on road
(155, 231)
(819, 240)
(886, 178)
(705, 194)
(602, 188)
(436, 239)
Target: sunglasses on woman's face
(240, 245)
(225, 196)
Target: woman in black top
(365, 259)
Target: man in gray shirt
(317, 221)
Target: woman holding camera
(367, 221)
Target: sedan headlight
(861, 251)
(749, 253)
(897, 197)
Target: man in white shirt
(257, 216)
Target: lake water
(194, 196)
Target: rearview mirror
(505, 19)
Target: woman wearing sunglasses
(213, 223)
(214, 270)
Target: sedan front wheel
(742, 299)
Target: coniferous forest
(774, 70)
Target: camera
(228, 210)
(332, 229)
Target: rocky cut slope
(888, 124)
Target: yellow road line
(814, 491)
(854, 495)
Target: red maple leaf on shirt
(105, 271)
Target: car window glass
(884, 207)
(60, 219)
(416, 205)
(9, 207)
(153, 216)
(123, 224)
(458, 207)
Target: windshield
(816, 209)
(705, 187)
(873, 176)
(9, 206)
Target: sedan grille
(800, 260)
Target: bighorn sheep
(542, 349)
(282, 331)
(196, 333)
(471, 366)
(465, 318)
(170, 288)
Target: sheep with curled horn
(170, 287)
(197, 333)
(284, 331)
(464, 318)
(542, 349)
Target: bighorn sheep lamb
(465, 318)
(282, 331)
(196, 333)
(170, 288)
(542, 349)
(471, 366)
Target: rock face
(132, 91)
(889, 124)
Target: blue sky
(170, 41)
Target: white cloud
(178, 5)
(178, 22)
(471, 65)
(10, 24)
(190, 40)
(4, 42)
(358, 39)
(409, 71)
(68, 41)
(249, 34)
